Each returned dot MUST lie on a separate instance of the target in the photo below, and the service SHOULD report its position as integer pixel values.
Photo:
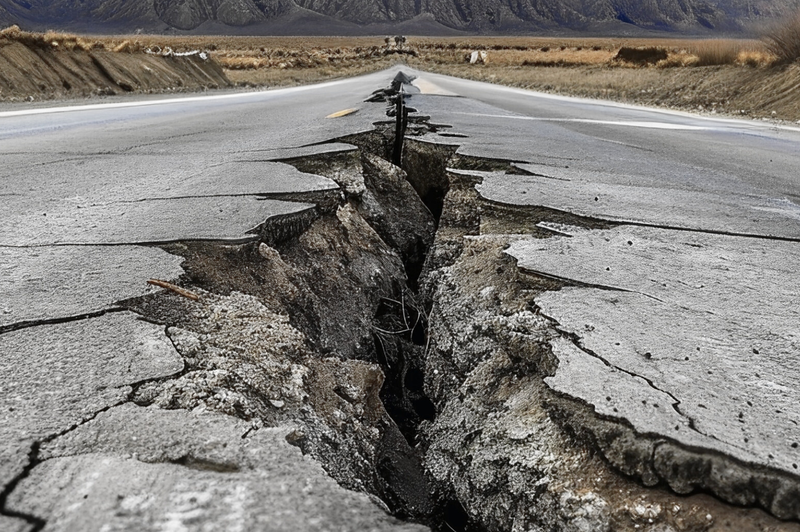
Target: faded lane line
(620, 105)
(344, 112)
(624, 123)
(190, 99)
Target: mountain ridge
(381, 16)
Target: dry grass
(577, 66)
(783, 40)
(730, 51)
(348, 54)
(717, 52)
(50, 39)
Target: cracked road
(679, 318)
(87, 193)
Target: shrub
(678, 59)
(641, 56)
(11, 32)
(717, 52)
(754, 59)
(783, 40)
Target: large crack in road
(390, 331)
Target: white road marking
(166, 101)
(627, 123)
(723, 121)
(426, 87)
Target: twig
(403, 307)
(428, 335)
(383, 347)
(177, 289)
(384, 331)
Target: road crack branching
(38, 523)
(388, 326)
(55, 321)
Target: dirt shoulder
(762, 92)
(728, 77)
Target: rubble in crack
(284, 334)
(386, 333)
(390, 328)
(509, 450)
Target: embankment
(33, 67)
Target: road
(680, 318)
(689, 296)
(87, 191)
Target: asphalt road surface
(690, 297)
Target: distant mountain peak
(365, 16)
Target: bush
(641, 56)
(783, 40)
(717, 52)
(50, 39)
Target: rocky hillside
(377, 16)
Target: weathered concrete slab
(617, 393)
(147, 469)
(738, 277)
(567, 172)
(108, 178)
(256, 178)
(58, 282)
(72, 371)
(14, 453)
(308, 151)
(212, 218)
(660, 206)
(10, 524)
(704, 326)
(207, 126)
(675, 150)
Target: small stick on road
(177, 289)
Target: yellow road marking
(344, 112)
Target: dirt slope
(36, 69)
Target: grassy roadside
(735, 78)
(725, 76)
(767, 92)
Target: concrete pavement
(87, 192)
(669, 305)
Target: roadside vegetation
(755, 78)
(783, 40)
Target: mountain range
(386, 16)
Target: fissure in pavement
(413, 355)
(390, 328)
